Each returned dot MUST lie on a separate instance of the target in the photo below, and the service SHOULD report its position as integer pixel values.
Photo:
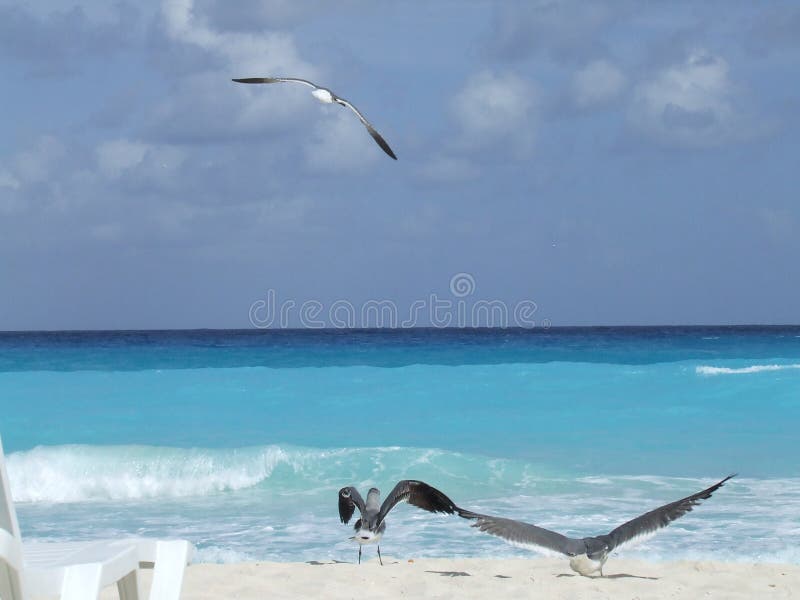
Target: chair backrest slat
(10, 550)
(8, 516)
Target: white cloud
(207, 105)
(96, 11)
(9, 199)
(274, 213)
(492, 111)
(45, 176)
(38, 164)
(151, 163)
(598, 83)
(161, 165)
(340, 141)
(493, 107)
(116, 156)
(256, 15)
(448, 168)
(690, 104)
(178, 218)
(7, 180)
(59, 39)
(266, 108)
(422, 221)
(245, 51)
(564, 29)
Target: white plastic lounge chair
(79, 570)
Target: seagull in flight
(325, 96)
(588, 555)
(372, 524)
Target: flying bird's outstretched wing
(524, 534)
(375, 135)
(372, 131)
(275, 80)
(419, 494)
(349, 500)
(654, 520)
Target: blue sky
(613, 162)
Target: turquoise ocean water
(240, 440)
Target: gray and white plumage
(589, 554)
(372, 524)
(328, 97)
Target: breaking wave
(709, 370)
(84, 473)
(277, 502)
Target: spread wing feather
(524, 534)
(275, 80)
(349, 500)
(372, 131)
(651, 521)
(419, 494)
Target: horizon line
(538, 329)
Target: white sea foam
(277, 503)
(78, 473)
(81, 473)
(709, 370)
(217, 554)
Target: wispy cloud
(694, 103)
(447, 169)
(204, 105)
(496, 108)
(116, 156)
(340, 141)
(53, 40)
(38, 163)
(137, 152)
(566, 30)
(597, 84)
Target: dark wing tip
(346, 505)
(662, 516)
(427, 497)
(256, 80)
(706, 493)
(381, 142)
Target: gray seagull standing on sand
(372, 525)
(588, 555)
(325, 96)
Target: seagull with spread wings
(588, 555)
(325, 96)
(372, 524)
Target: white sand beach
(487, 578)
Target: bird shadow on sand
(346, 562)
(614, 576)
(451, 573)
